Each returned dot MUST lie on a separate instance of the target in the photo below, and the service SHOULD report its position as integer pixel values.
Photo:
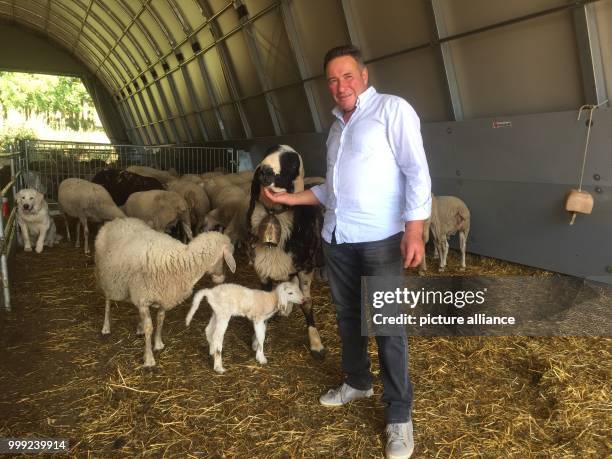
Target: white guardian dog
(34, 221)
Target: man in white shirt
(377, 196)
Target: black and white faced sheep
(150, 269)
(299, 247)
(121, 184)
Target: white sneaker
(342, 395)
(400, 441)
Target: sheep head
(289, 293)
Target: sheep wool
(137, 264)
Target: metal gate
(47, 163)
(11, 162)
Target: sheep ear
(296, 280)
(229, 259)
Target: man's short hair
(344, 50)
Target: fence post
(3, 256)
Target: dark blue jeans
(345, 264)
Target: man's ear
(364, 75)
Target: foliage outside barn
(47, 107)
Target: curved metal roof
(191, 71)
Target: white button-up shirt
(377, 176)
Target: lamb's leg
(78, 234)
(443, 249)
(316, 346)
(161, 315)
(106, 327)
(463, 245)
(139, 329)
(260, 333)
(210, 329)
(145, 317)
(67, 229)
(85, 235)
(217, 343)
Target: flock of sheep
(139, 262)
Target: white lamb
(449, 215)
(149, 269)
(231, 300)
(86, 201)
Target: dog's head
(289, 293)
(29, 201)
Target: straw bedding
(474, 397)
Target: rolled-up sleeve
(320, 192)
(404, 132)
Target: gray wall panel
(514, 180)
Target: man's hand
(281, 197)
(412, 246)
(302, 198)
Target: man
(377, 196)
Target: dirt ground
(473, 397)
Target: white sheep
(231, 300)
(196, 199)
(163, 176)
(230, 217)
(194, 178)
(137, 264)
(160, 209)
(226, 194)
(86, 201)
(449, 215)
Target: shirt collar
(362, 98)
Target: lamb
(137, 264)
(231, 300)
(162, 176)
(86, 201)
(121, 184)
(449, 215)
(160, 209)
(196, 199)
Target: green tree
(62, 100)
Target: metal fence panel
(52, 161)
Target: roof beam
(226, 67)
(288, 15)
(255, 54)
(177, 98)
(589, 49)
(444, 53)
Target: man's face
(346, 81)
